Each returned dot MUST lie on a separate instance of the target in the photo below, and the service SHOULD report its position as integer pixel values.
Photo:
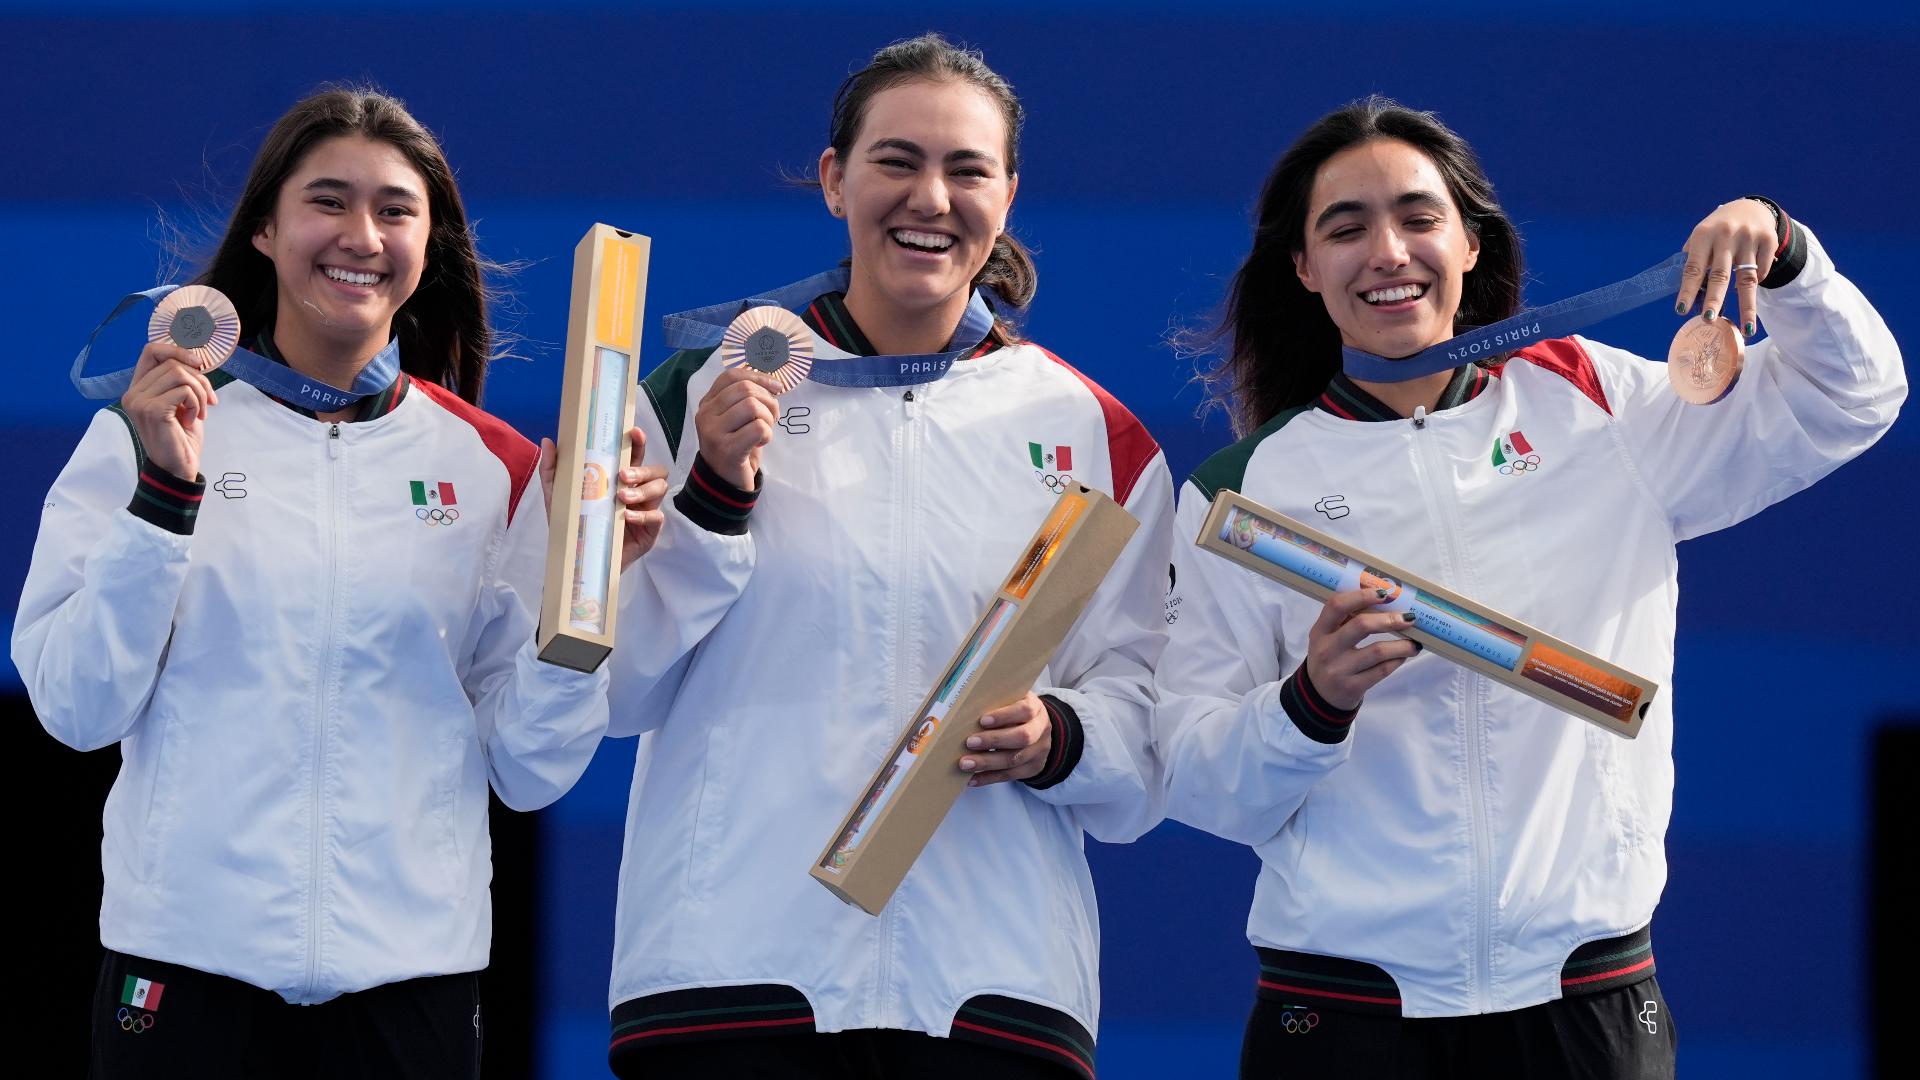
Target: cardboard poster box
(1499, 646)
(596, 408)
(898, 811)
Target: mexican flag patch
(1060, 458)
(427, 493)
(141, 993)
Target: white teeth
(351, 277)
(1395, 294)
(930, 241)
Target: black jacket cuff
(1069, 740)
(713, 503)
(1311, 713)
(164, 499)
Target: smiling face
(1385, 248)
(925, 191)
(348, 240)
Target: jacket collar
(1344, 398)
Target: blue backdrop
(1609, 129)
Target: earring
(839, 211)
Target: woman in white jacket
(901, 480)
(1457, 879)
(316, 665)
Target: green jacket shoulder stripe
(1227, 470)
(666, 390)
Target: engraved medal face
(1705, 360)
(200, 320)
(772, 341)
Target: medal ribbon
(1534, 324)
(271, 377)
(702, 328)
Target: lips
(1394, 294)
(916, 240)
(352, 277)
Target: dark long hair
(443, 330)
(1009, 272)
(1283, 347)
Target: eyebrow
(910, 147)
(390, 191)
(1351, 206)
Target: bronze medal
(1705, 360)
(200, 320)
(772, 341)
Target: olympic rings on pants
(133, 1023)
(1301, 1025)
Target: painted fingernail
(1707, 314)
(974, 742)
(1419, 648)
(967, 764)
(1680, 308)
(1749, 327)
(1406, 616)
(1381, 593)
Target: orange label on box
(1052, 532)
(619, 285)
(1580, 681)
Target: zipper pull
(1419, 417)
(333, 439)
(910, 404)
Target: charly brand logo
(1053, 467)
(139, 1000)
(1298, 1020)
(1174, 599)
(1334, 506)
(793, 420)
(1648, 1012)
(232, 485)
(433, 502)
(1514, 456)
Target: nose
(359, 234)
(1389, 249)
(929, 197)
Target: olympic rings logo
(1055, 484)
(436, 516)
(1530, 463)
(1299, 1025)
(136, 1023)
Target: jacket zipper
(1441, 506)
(323, 704)
(902, 584)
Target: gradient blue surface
(1609, 130)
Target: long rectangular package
(920, 777)
(1503, 648)
(597, 394)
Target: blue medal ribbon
(1534, 324)
(270, 376)
(702, 328)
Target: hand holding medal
(765, 351)
(1736, 243)
(192, 331)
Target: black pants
(1619, 1034)
(864, 1054)
(155, 1020)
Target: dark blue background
(1609, 130)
